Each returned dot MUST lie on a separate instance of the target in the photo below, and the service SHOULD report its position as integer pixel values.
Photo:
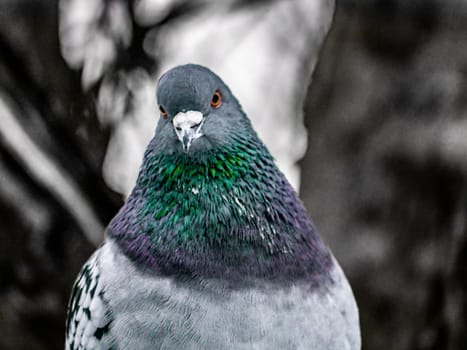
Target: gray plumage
(229, 261)
(150, 312)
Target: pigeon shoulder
(88, 317)
(305, 316)
(342, 313)
(109, 303)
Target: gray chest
(158, 313)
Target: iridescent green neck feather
(228, 212)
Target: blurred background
(362, 102)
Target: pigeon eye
(216, 99)
(163, 112)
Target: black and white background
(363, 103)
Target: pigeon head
(198, 111)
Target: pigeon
(212, 249)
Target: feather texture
(213, 248)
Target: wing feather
(89, 317)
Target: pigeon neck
(230, 211)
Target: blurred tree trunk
(385, 175)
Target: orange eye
(163, 112)
(216, 100)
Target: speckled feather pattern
(89, 317)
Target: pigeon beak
(187, 126)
